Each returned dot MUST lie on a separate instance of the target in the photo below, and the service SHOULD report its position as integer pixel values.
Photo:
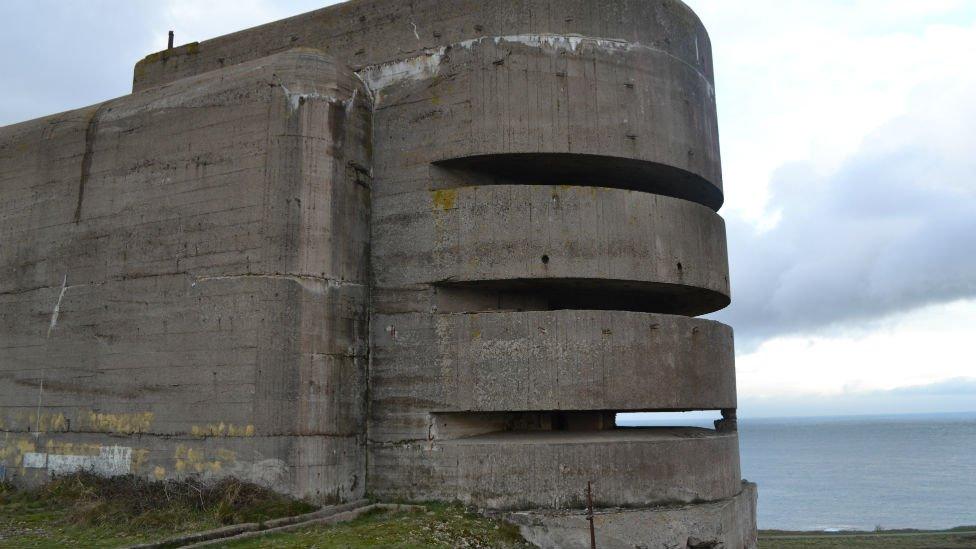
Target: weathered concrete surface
(172, 269)
(536, 174)
(484, 105)
(650, 252)
(327, 468)
(543, 361)
(629, 467)
(625, 78)
(451, 240)
(729, 524)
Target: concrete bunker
(413, 252)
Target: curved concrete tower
(416, 250)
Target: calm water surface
(862, 472)
(906, 471)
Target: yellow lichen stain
(159, 473)
(476, 334)
(192, 48)
(139, 456)
(195, 460)
(222, 430)
(71, 448)
(137, 422)
(12, 450)
(140, 70)
(52, 422)
(43, 423)
(444, 199)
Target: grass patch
(82, 509)
(436, 525)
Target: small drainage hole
(545, 259)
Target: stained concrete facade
(410, 250)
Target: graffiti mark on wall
(110, 461)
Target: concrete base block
(724, 524)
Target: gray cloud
(894, 228)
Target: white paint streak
(427, 65)
(295, 99)
(57, 307)
(110, 461)
(415, 30)
(313, 284)
(369, 91)
(423, 66)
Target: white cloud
(808, 81)
(922, 347)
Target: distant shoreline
(954, 538)
(784, 534)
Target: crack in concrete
(331, 282)
(91, 131)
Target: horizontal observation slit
(584, 170)
(460, 425)
(553, 294)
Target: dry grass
(85, 509)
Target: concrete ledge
(489, 234)
(551, 360)
(628, 467)
(368, 32)
(729, 524)
(482, 103)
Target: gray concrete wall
(729, 523)
(521, 470)
(412, 250)
(561, 182)
(543, 361)
(187, 265)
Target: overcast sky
(849, 153)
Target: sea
(862, 472)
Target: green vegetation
(434, 525)
(84, 510)
(956, 538)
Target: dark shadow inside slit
(585, 170)
(551, 294)
(456, 425)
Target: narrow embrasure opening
(453, 425)
(584, 170)
(550, 294)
